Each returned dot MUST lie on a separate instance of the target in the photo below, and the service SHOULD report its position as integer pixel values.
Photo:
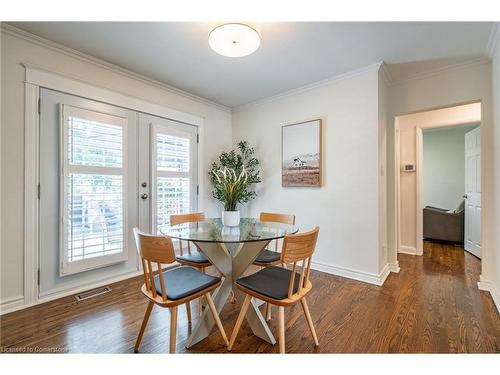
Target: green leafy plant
(235, 175)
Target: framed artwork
(301, 154)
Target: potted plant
(233, 178)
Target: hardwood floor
(432, 306)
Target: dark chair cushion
(267, 256)
(184, 281)
(271, 282)
(194, 257)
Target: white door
(472, 235)
(88, 192)
(98, 163)
(173, 161)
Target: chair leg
(143, 326)
(268, 312)
(281, 327)
(173, 328)
(215, 314)
(236, 329)
(200, 300)
(188, 311)
(200, 306)
(309, 320)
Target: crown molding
(22, 34)
(384, 70)
(493, 41)
(309, 87)
(434, 72)
(386, 74)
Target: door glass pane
(172, 197)
(95, 215)
(172, 153)
(93, 143)
(94, 189)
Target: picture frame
(301, 156)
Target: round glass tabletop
(212, 230)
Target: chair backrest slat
(151, 274)
(291, 283)
(162, 284)
(302, 275)
(181, 248)
(145, 273)
(308, 270)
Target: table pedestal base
(231, 260)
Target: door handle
(465, 196)
(144, 196)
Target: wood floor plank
(432, 306)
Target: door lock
(144, 196)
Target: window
(93, 186)
(174, 178)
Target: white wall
(382, 172)
(492, 277)
(16, 50)
(451, 87)
(444, 166)
(346, 207)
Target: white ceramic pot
(231, 218)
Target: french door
(171, 166)
(104, 170)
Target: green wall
(444, 166)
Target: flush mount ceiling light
(234, 39)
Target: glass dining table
(231, 250)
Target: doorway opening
(438, 178)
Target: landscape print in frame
(301, 154)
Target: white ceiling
(291, 55)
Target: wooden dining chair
(190, 258)
(268, 257)
(282, 287)
(173, 287)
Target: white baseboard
(407, 250)
(490, 286)
(11, 304)
(371, 278)
(383, 274)
(394, 267)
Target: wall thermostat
(409, 168)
